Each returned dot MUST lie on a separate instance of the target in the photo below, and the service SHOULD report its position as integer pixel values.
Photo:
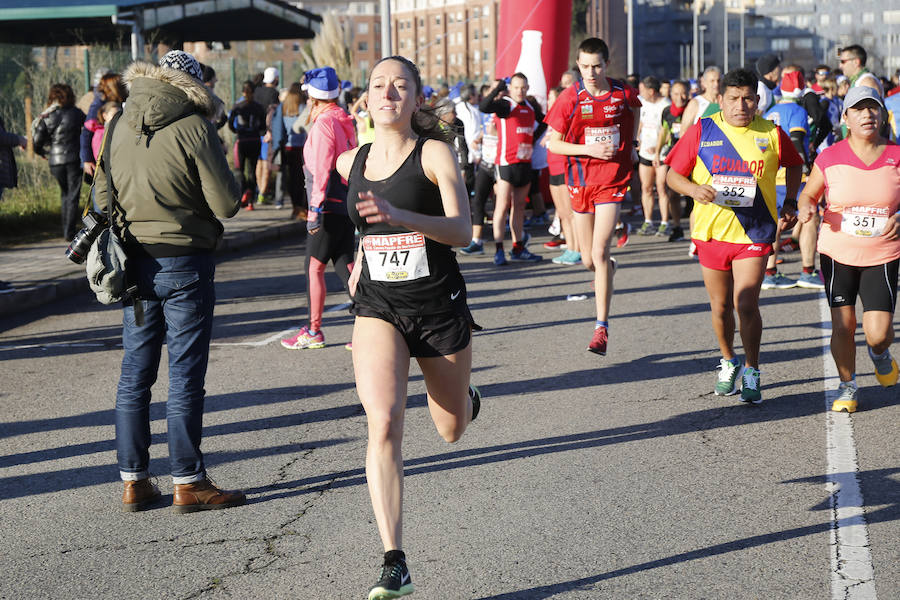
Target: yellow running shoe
(886, 371)
(846, 400)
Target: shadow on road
(889, 496)
(732, 415)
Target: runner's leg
(809, 236)
(503, 191)
(447, 382)
(381, 366)
(720, 288)
(563, 205)
(772, 261)
(662, 191)
(517, 213)
(605, 217)
(647, 178)
(748, 275)
(878, 326)
(584, 231)
(843, 340)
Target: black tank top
(400, 284)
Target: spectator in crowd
(8, 171)
(209, 81)
(109, 89)
(466, 101)
(768, 67)
(170, 187)
(56, 133)
(822, 72)
(365, 128)
(248, 121)
(266, 95)
(84, 103)
(330, 233)
(98, 126)
(853, 66)
(289, 137)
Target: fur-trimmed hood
(159, 95)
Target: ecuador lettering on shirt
(515, 134)
(713, 147)
(582, 118)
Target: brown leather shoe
(139, 495)
(203, 495)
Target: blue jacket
(283, 134)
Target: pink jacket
(97, 139)
(332, 133)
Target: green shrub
(32, 211)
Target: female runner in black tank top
(409, 297)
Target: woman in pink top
(330, 233)
(859, 241)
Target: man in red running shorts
(727, 163)
(594, 125)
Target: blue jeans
(178, 296)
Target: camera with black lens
(94, 223)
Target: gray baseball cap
(860, 93)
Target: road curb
(21, 299)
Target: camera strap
(112, 208)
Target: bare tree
(331, 48)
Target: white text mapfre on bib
(734, 190)
(602, 135)
(396, 256)
(864, 221)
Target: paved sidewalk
(40, 273)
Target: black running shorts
(336, 237)
(558, 179)
(426, 336)
(876, 285)
(518, 175)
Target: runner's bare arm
(598, 150)
(662, 139)
(690, 111)
(440, 166)
(345, 162)
(704, 194)
(808, 203)
(636, 111)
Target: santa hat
(322, 83)
(792, 84)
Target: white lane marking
(268, 340)
(339, 307)
(852, 573)
(277, 336)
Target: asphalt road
(584, 477)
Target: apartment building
(807, 32)
(449, 40)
